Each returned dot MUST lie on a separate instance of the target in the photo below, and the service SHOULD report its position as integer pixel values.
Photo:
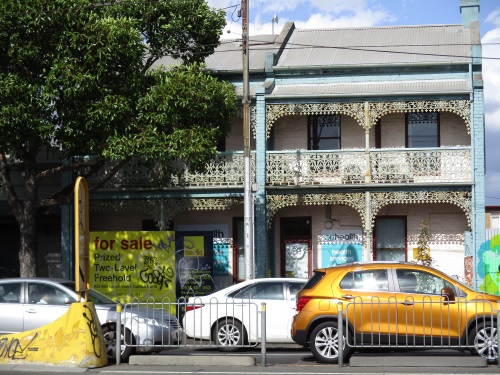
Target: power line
(297, 46)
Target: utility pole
(248, 200)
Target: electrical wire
(296, 46)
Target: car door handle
(347, 296)
(32, 311)
(408, 303)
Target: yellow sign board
(133, 264)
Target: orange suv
(392, 305)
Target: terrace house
(358, 136)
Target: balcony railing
(227, 169)
(338, 167)
(435, 165)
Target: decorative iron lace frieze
(461, 199)
(276, 202)
(171, 206)
(458, 107)
(378, 200)
(375, 110)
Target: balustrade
(303, 167)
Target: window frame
(422, 114)
(313, 138)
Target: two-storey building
(359, 136)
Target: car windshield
(94, 295)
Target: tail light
(193, 307)
(301, 302)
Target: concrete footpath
(425, 362)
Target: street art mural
(488, 267)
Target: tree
(423, 251)
(82, 78)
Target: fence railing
(225, 324)
(229, 324)
(420, 322)
(423, 322)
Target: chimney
(470, 13)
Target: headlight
(150, 321)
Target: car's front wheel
(484, 339)
(229, 335)
(324, 343)
(110, 340)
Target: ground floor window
(390, 239)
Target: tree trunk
(27, 257)
(27, 218)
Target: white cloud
(305, 13)
(494, 18)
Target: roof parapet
(283, 38)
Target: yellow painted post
(82, 263)
(118, 343)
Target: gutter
(346, 66)
(356, 95)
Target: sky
(351, 13)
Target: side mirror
(448, 294)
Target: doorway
(390, 238)
(295, 255)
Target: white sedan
(231, 317)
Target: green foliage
(79, 75)
(82, 77)
(423, 250)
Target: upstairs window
(324, 132)
(422, 130)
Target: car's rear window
(314, 279)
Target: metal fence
(228, 325)
(370, 322)
(213, 323)
(423, 322)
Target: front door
(296, 247)
(390, 238)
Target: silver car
(34, 302)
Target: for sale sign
(133, 264)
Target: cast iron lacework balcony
(430, 165)
(338, 167)
(227, 169)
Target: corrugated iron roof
(228, 55)
(377, 45)
(347, 47)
